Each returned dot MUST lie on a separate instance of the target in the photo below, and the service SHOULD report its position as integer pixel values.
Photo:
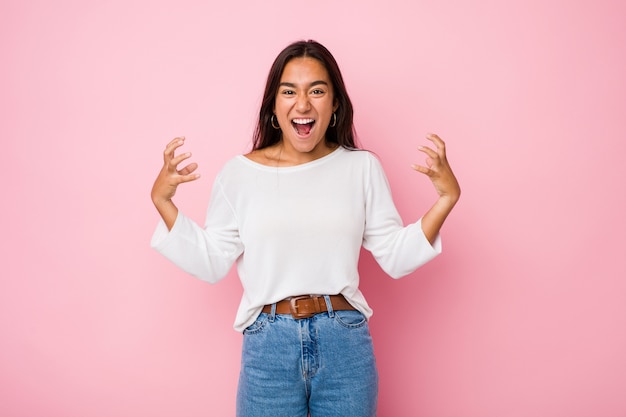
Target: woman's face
(304, 106)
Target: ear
(335, 105)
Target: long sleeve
(207, 253)
(398, 250)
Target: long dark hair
(342, 133)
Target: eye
(287, 92)
(317, 92)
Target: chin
(308, 147)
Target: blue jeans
(323, 365)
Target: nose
(303, 104)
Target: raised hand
(438, 170)
(169, 178)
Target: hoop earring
(334, 123)
(272, 122)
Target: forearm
(168, 211)
(434, 218)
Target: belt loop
(329, 306)
(272, 313)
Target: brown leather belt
(305, 306)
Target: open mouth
(303, 126)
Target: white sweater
(297, 230)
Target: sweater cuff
(162, 235)
(435, 247)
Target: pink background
(523, 315)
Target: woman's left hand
(438, 170)
(440, 173)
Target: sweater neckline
(298, 167)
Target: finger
(433, 159)
(439, 143)
(188, 169)
(188, 178)
(172, 146)
(429, 152)
(176, 140)
(424, 170)
(180, 158)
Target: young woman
(293, 214)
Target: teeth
(302, 121)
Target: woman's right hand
(169, 178)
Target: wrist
(447, 201)
(160, 202)
(168, 211)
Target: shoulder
(356, 154)
(234, 168)
(265, 156)
(361, 157)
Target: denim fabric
(323, 365)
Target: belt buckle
(293, 307)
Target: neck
(285, 156)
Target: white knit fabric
(297, 230)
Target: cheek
(280, 107)
(331, 105)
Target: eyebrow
(313, 84)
